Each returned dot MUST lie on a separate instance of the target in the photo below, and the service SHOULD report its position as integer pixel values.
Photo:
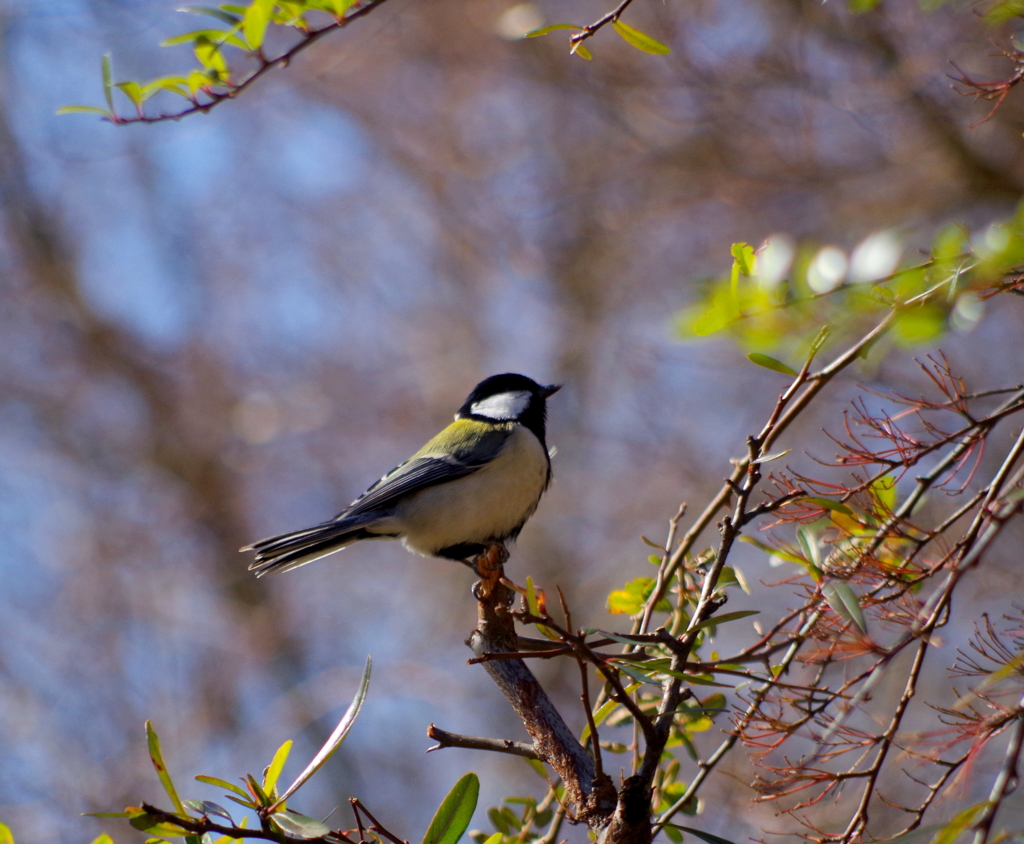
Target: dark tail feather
(291, 550)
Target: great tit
(474, 484)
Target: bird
(472, 486)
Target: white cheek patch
(502, 406)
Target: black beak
(548, 391)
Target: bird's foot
(490, 567)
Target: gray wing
(416, 474)
(422, 472)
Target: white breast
(489, 504)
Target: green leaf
(843, 600)
(6, 836)
(336, 738)
(156, 825)
(213, 12)
(744, 259)
(261, 796)
(714, 319)
(884, 490)
(922, 833)
(274, 768)
(775, 552)
(704, 836)
(254, 26)
(631, 598)
(604, 711)
(83, 109)
(723, 618)
(624, 638)
(153, 741)
(829, 504)
(960, 822)
(102, 838)
(640, 40)
(300, 826)
(132, 90)
(919, 324)
(638, 675)
(177, 84)
(107, 94)
(770, 363)
(205, 807)
(809, 543)
(531, 597)
(544, 30)
(581, 51)
(768, 458)
(223, 784)
(494, 839)
(197, 80)
(214, 36)
(453, 815)
(210, 57)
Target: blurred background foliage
(228, 326)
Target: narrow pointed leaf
(625, 639)
(723, 618)
(275, 767)
(254, 26)
(153, 741)
(640, 40)
(261, 796)
(213, 12)
(829, 504)
(770, 363)
(132, 90)
(637, 675)
(205, 807)
(107, 95)
(213, 36)
(704, 836)
(83, 109)
(775, 552)
(222, 784)
(453, 815)
(604, 711)
(300, 826)
(581, 51)
(337, 737)
(843, 600)
(544, 30)
(156, 825)
(531, 597)
(768, 458)
(960, 822)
